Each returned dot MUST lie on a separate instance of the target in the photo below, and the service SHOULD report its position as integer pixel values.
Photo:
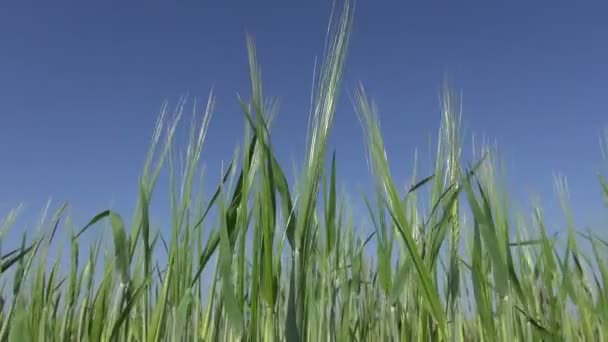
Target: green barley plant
(260, 257)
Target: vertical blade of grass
(235, 316)
(330, 213)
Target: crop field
(262, 258)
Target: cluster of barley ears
(260, 258)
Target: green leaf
(330, 213)
(420, 183)
(121, 246)
(126, 311)
(400, 280)
(231, 306)
(94, 220)
(181, 316)
(14, 257)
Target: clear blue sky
(81, 85)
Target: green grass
(261, 259)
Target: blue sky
(81, 86)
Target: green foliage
(264, 260)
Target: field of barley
(260, 258)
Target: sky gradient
(81, 86)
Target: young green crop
(263, 259)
